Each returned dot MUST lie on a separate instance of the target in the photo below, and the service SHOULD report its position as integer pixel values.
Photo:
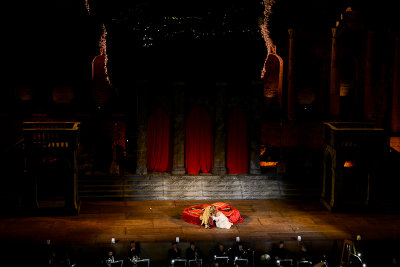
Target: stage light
(349, 164)
(359, 254)
(364, 265)
(113, 240)
(268, 163)
(172, 261)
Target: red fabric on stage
(158, 140)
(237, 147)
(199, 143)
(192, 214)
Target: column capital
(334, 32)
(291, 32)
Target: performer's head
(133, 244)
(192, 245)
(214, 210)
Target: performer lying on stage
(207, 215)
(221, 221)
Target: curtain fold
(199, 143)
(158, 142)
(237, 161)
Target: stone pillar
(369, 107)
(220, 131)
(291, 96)
(254, 127)
(395, 122)
(178, 167)
(141, 156)
(334, 93)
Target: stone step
(244, 187)
(133, 179)
(164, 187)
(199, 191)
(198, 197)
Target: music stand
(193, 262)
(241, 262)
(178, 262)
(117, 263)
(286, 262)
(223, 260)
(304, 264)
(143, 262)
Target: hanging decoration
(265, 31)
(103, 51)
(87, 6)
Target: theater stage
(160, 221)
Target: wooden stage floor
(160, 221)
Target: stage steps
(168, 187)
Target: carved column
(220, 131)
(395, 122)
(369, 107)
(334, 93)
(291, 92)
(178, 167)
(141, 156)
(254, 127)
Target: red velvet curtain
(199, 143)
(237, 148)
(158, 142)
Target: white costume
(222, 221)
